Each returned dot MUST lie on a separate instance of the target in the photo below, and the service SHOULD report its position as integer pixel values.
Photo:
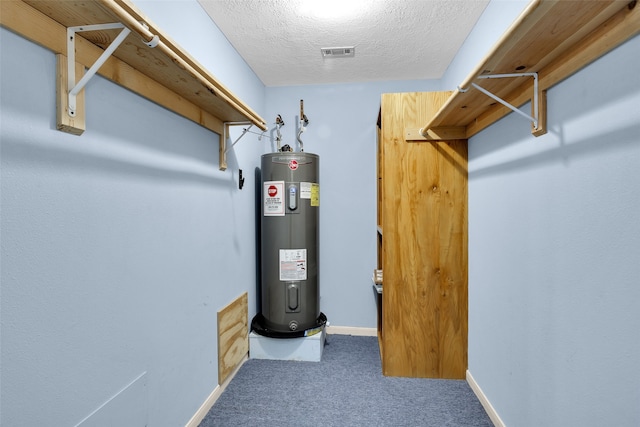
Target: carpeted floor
(345, 389)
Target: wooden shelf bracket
(538, 102)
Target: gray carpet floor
(346, 388)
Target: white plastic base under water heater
(289, 287)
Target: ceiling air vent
(338, 52)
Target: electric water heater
(290, 298)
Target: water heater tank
(290, 297)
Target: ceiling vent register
(338, 52)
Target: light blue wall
(118, 246)
(554, 243)
(342, 131)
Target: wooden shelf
(552, 38)
(165, 74)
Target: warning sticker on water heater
(311, 191)
(293, 264)
(305, 190)
(273, 198)
(315, 195)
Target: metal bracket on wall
(223, 142)
(68, 99)
(73, 87)
(538, 101)
(224, 149)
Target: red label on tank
(273, 190)
(293, 164)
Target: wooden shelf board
(548, 35)
(171, 67)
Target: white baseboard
(493, 415)
(349, 330)
(215, 394)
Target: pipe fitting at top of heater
(303, 122)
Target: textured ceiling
(393, 39)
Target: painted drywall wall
(553, 247)
(342, 131)
(118, 246)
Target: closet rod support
(223, 141)
(244, 132)
(74, 88)
(536, 109)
